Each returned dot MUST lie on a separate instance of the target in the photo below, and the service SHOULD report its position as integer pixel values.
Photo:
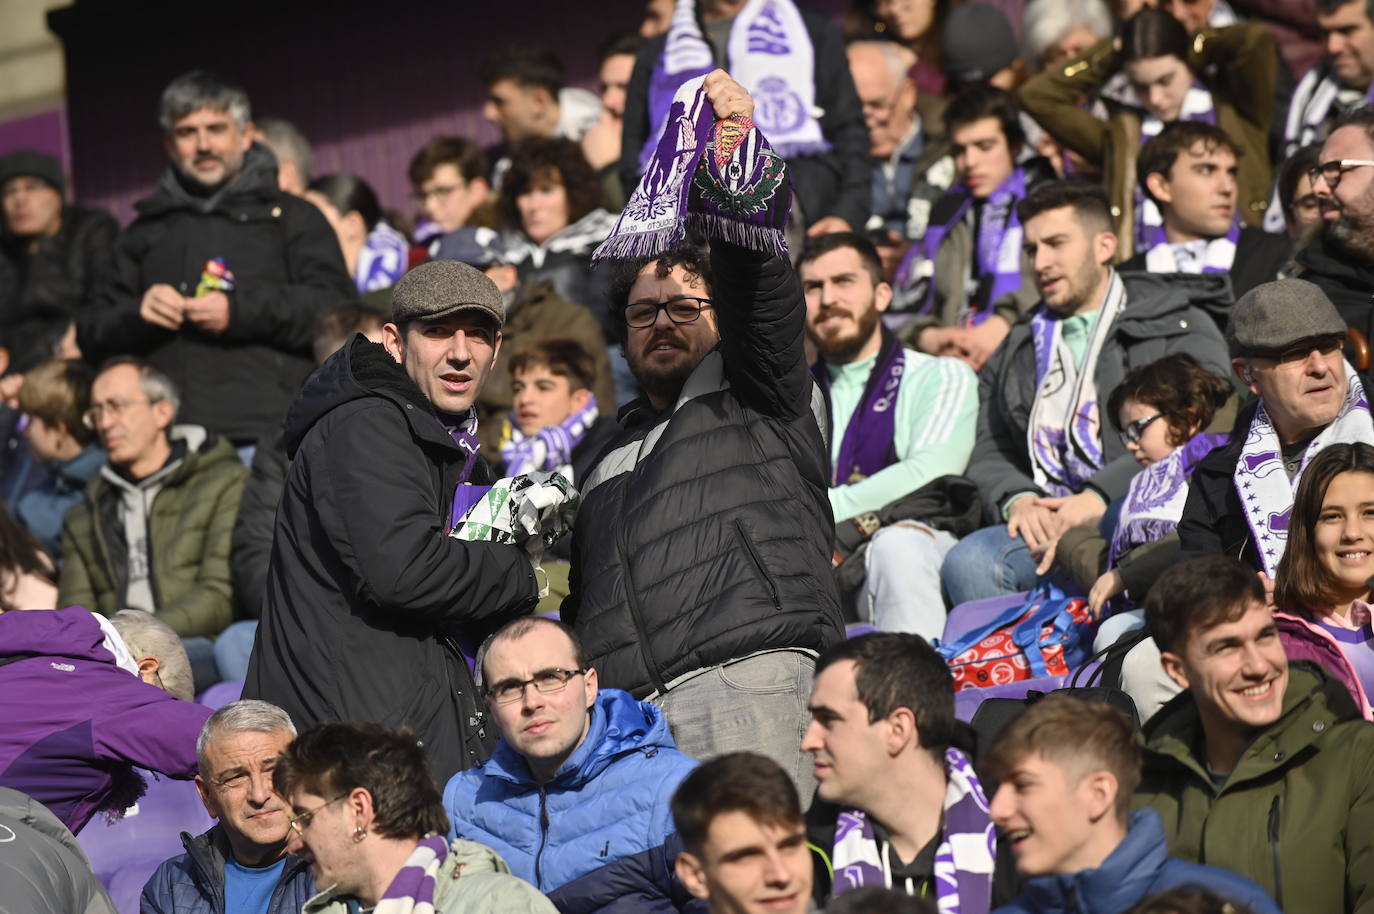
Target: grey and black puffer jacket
(705, 533)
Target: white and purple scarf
(412, 891)
(464, 434)
(1214, 255)
(1064, 436)
(769, 53)
(382, 260)
(997, 249)
(1266, 492)
(870, 439)
(963, 862)
(721, 178)
(1154, 502)
(549, 448)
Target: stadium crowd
(914, 463)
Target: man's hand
(1103, 589)
(601, 144)
(1035, 524)
(827, 225)
(939, 340)
(727, 97)
(163, 306)
(209, 312)
(1076, 510)
(980, 342)
(9, 389)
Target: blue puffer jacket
(1138, 868)
(593, 838)
(194, 882)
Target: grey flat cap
(1272, 317)
(443, 287)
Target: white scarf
(1214, 256)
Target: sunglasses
(1134, 430)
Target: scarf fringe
(634, 245)
(744, 234)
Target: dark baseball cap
(30, 163)
(475, 246)
(443, 287)
(976, 42)
(1272, 317)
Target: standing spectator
(55, 397)
(1041, 458)
(371, 822)
(222, 277)
(601, 145)
(153, 531)
(1344, 79)
(53, 256)
(365, 588)
(793, 62)
(375, 254)
(239, 866)
(528, 99)
(292, 152)
(77, 718)
(42, 868)
(978, 48)
(449, 175)
(919, 25)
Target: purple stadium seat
(856, 629)
(967, 616)
(220, 694)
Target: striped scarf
(412, 891)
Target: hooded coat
(596, 836)
(287, 268)
(42, 868)
(366, 593)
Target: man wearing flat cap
(367, 595)
(1285, 339)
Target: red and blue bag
(1049, 634)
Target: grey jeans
(757, 704)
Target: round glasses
(682, 310)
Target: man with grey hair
(221, 279)
(154, 529)
(1053, 31)
(367, 595)
(292, 149)
(239, 866)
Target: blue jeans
(987, 563)
(200, 651)
(233, 647)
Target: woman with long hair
(375, 253)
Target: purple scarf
(464, 435)
(998, 248)
(549, 448)
(869, 442)
(1154, 502)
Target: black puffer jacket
(1346, 281)
(706, 533)
(365, 594)
(41, 290)
(287, 270)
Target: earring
(359, 833)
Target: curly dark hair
(1179, 387)
(549, 159)
(690, 253)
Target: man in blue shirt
(240, 866)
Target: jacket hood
(360, 369)
(73, 633)
(1123, 878)
(1158, 297)
(1330, 262)
(620, 724)
(256, 182)
(23, 808)
(198, 447)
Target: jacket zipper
(758, 564)
(645, 651)
(543, 837)
(1274, 851)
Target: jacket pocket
(748, 545)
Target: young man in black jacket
(221, 279)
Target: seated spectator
(1322, 589)
(1066, 769)
(28, 577)
(898, 419)
(575, 796)
(55, 397)
(371, 822)
(375, 254)
(154, 529)
(1188, 899)
(793, 61)
(552, 216)
(77, 718)
(42, 868)
(53, 256)
(1041, 468)
(449, 176)
(556, 421)
(964, 286)
(535, 312)
(978, 48)
(1153, 75)
(743, 839)
(1341, 83)
(1302, 211)
(1056, 31)
(528, 99)
(1261, 766)
(292, 152)
(1189, 171)
(912, 166)
(239, 866)
(905, 802)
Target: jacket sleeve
(1198, 528)
(385, 527)
(843, 126)
(97, 248)
(208, 608)
(1246, 61)
(1053, 99)
(1114, 479)
(1359, 832)
(1142, 566)
(156, 897)
(74, 586)
(251, 544)
(112, 325)
(995, 466)
(762, 314)
(143, 725)
(284, 315)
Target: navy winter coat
(593, 838)
(193, 883)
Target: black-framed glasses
(1331, 172)
(546, 681)
(300, 823)
(681, 310)
(1303, 351)
(1133, 431)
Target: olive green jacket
(1297, 813)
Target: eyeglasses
(116, 408)
(300, 823)
(1302, 351)
(439, 193)
(1133, 431)
(1331, 172)
(680, 311)
(546, 681)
